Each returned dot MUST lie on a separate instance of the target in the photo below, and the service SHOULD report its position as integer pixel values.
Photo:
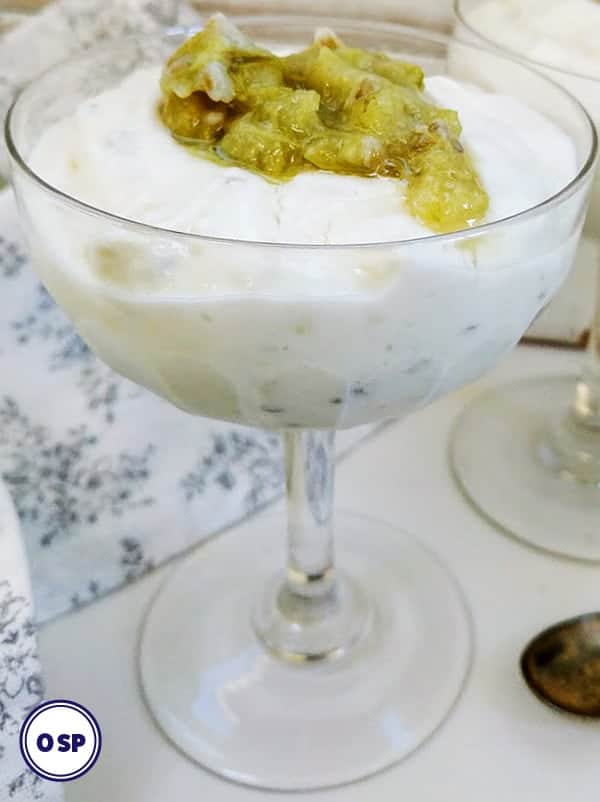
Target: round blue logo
(60, 740)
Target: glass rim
(416, 34)
(491, 44)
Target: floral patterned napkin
(20, 680)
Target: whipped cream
(277, 336)
(117, 140)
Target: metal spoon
(561, 665)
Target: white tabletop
(500, 743)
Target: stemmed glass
(528, 454)
(348, 659)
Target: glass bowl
(340, 667)
(528, 454)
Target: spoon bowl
(561, 665)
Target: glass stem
(311, 613)
(586, 406)
(309, 463)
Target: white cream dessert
(116, 142)
(292, 336)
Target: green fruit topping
(329, 107)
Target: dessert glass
(527, 455)
(339, 667)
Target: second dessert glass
(346, 661)
(528, 454)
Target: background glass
(331, 673)
(528, 454)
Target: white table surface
(499, 745)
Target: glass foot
(523, 461)
(231, 705)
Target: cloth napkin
(20, 679)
